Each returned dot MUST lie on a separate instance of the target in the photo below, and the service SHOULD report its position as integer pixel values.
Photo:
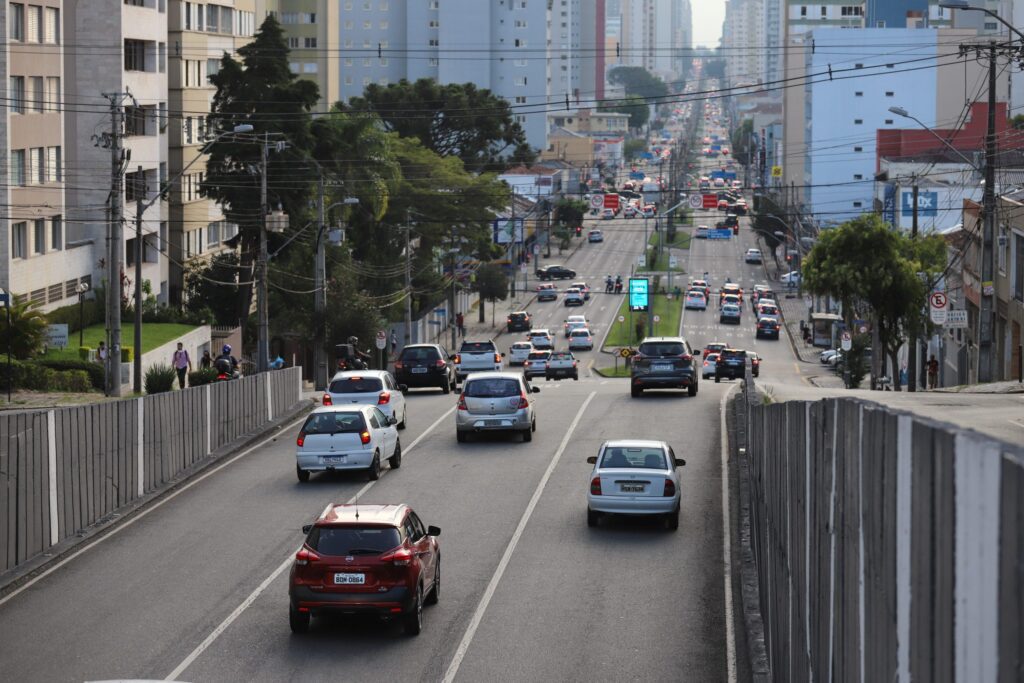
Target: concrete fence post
(270, 396)
(51, 443)
(209, 421)
(140, 439)
(904, 538)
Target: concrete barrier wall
(64, 469)
(888, 547)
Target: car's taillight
(462, 403)
(523, 402)
(705, 363)
(364, 436)
(384, 398)
(301, 440)
(327, 400)
(595, 486)
(638, 356)
(670, 488)
(400, 558)
(399, 365)
(439, 362)
(305, 556)
(574, 363)
(497, 358)
(458, 358)
(525, 363)
(686, 358)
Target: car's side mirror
(306, 528)
(433, 531)
(403, 388)
(393, 420)
(535, 390)
(451, 356)
(592, 460)
(680, 462)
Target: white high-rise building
(742, 33)
(652, 35)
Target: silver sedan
(634, 477)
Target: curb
(782, 312)
(12, 578)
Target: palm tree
(25, 333)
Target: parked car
(536, 363)
(595, 236)
(573, 322)
(695, 299)
(708, 370)
(573, 297)
(368, 387)
(547, 292)
(663, 362)
(519, 352)
(634, 477)
(348, 437)
(580, 338)
(561, 364)
(425, 365)
(791, 279)
(541, 339)
(825, 356)
(555, 272)
(519, 321)
(477, 355)
(496, 401)
(753, 256)
(732, 364)
(370, 559)
(767, 326)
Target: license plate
(632, 488)
(419, 371)
(349, 579)
(661, 367)
(336, 460)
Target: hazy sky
(707, 22)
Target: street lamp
(900, 111)
(81, 289)
(962, 5)
(5, 298)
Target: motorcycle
(618, 287)
(226, 370)
(609, 286)
(354, 363)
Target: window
(858, 149)
(888, 122)
(161, 57)
(39, 236)
(51, 30)
(858, 205)
(17, 94)
(19, 235)
(18, 167)
(38, 161)
(520, 80)
(134, 121)
(134, 55)
(858, 66)
(1003, 248)
(858, 176)
(34, 34)
(803, 10)
(212, 68)
(57, 233)
(824, 11)
(212, 18)
(858, 94)
(54, 172)
(53, 99)
(858, 122)
(888, 93)
(16, 21)
(1018, 267)
(309, 68)
(35, 94)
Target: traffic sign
(673, 262)
(596, 201)
(641, 260)
(696, 201)
(382, 339)
(622, 318)
(625, 352)
(776, 171)
(938, 300)
(846, 341)
(937, 307)
(657, 318)
(709, 201)
(956, 319)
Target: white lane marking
(730, 634)
(237, 612)
(478, 615)
(142, 513)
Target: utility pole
(408, 280)
(912, 351)
(985, 320)
(263, 344)
(511, 248)
(320, 294)
(140, 191)
(115, 248)
(451, 294)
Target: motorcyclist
(618, 284)
(360, 359)
(226, 364)
(609, 284)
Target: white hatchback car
(368, 387)
(347, 437)
(696, 300)
(580, 338)
(541, 339)
(634, 477)
(574, 322)
(496, 401)
(519, 352)
(708, 369)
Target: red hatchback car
(366, 559)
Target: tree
(638, 81)
(741, 141)
(492, 284)
(457, 119)
(570, 212)
(636, 107)
(1017, 122)
(25, 334)
(260, 91)
(211, 288)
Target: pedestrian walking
(460, 324)
(206, 362)
(101, 353)
(394, 342)
(182, 364)
(933, 372)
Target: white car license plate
(349, 579)
(661, 367)
(632, 488)
(336, 460)
(419, 371)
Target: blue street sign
(927, 203)
(4, 298)
(720, 234)
(639, 297)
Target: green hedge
(93, 370)
(201, 377)
(37, 377)
(159, 379)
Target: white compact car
(708, 369)
(368, 387)
(574, 322)
(541, 339)
(696, 300)
(753, 256)
(580, 338)
(519, 352)
(347, 437)
(496, 401)
(634, 477)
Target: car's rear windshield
(476, 347)
(579, 333)
(420, 353)
(491, 387)
(540, 333)
(662, 348)
(356, 385)
(561, 355)
(353, 540)
(522, 345)
(646, 458)
(334, 423)
(734, 354)
(538, 355)
(711, 357)
(519, 316)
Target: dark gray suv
(664, 363)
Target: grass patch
(154, 335)
(623, 334)
(681, 241)
(620, 371)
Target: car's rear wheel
(672, 520)
(374, 472)
(298, 621)
(401, 425)
(446, 386)
(593, 518)
(435, 590)
(414, 619)
(461, 437)
(528, 434)
(692, 389)
(635, 391)
(533, 426)
(396, 458)
(717, 379)
(302, 474)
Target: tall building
(742, 34)
(682, 34)
(42, 257)
(200, 35)
(312, 28)
(773, 38)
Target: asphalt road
(197, 587)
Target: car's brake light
(497, 358)
(301, 440)
(705, 363)
(399, 365)
(458, 358)
(400, 558)
(327, 400)
(686, 358)
(305, 556)
(462, 403)
(384, 398)
(439, 362)
(670, 488)
(523, 402)
(364, 436)
(595, 486)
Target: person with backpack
(182, 364)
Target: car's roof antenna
(357, 511)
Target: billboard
(639, 294)
(927, 204)
(507, 230)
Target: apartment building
(200, 34)
(42, 259)
(313, 35)
(742, 32)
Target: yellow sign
(626, 352)
(776, 171)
